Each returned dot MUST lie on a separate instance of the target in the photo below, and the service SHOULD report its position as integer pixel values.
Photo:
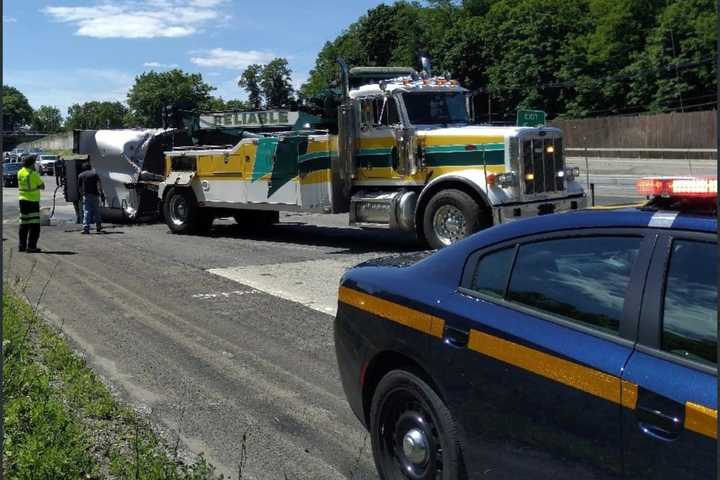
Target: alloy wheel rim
(449, 224)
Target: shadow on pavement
(354, 240)
(55, 252)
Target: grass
(62, 422)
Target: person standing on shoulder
(29, 186)
(92, 195)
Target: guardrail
(662, 153)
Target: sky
(61, 52)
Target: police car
(575, 345)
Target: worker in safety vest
(29, 186)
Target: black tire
(452, 204)
(182, 213)
(252, 219)
(405, 406)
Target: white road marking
(312, 283)
(210, 296)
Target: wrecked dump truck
(401, 155)
(130, 164)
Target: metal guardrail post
(587, 169)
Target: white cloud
(160, 65)
(9, 19)
(133, 19)
(234, 59)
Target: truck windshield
(426, 108)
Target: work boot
(99, 229)
(86, 232)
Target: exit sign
(530, 118)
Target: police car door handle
(658, 424)
(455, 337)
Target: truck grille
(541, 165)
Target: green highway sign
(530, 118)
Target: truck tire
(450, 216)
(182, 213)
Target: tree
(96, 115)
(527, 43)
(677, 67)
(16, 109)
(237, 105)
(276, 84)
(217, 104)
(250, 81)
(47, 119)
(154, 93)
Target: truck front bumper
(517, 211)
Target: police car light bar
(678, 186)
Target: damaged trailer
(130, 164)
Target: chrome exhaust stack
(344, 77)
(426, 66)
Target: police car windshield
(431, 108)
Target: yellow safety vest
(29, 183)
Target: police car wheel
(412, 432)
(450, 216)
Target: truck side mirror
(406, 146)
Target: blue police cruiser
(568, 346)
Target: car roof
(447, 263)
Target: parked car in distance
(46, 164)
(566, 346)
(10, 171)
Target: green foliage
(16, 110)
(268, 86)
(42, 440)
(61, 421)
(47, 119)
(96, 115)
(154, 93)
(568, 57)
(250, 81)
(217, 104)
(276, 84)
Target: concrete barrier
(57, 141)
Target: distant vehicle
(578, 345)
(46, 164)
(10, 171)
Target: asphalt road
(206, 356)
(225, 340)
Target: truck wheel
(182, 214)
(450, 216)
(412, 432)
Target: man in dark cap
(92, 195)
(29, 186)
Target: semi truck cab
(404, 156)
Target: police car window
(581, 279)
(689, 313)
(491, 273)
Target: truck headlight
(569, 173)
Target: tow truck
(397, 150)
